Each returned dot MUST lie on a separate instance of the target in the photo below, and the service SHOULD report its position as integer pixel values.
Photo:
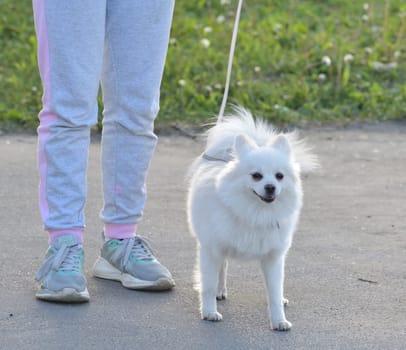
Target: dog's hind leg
(210, 267)
(222, 285)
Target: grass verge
(296, 62)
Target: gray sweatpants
(123, 45)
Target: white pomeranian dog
(244, 201)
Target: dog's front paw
(221, 294)
(212, 316)
(285, 302)
(281, 325)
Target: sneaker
(131, 262)
(62, 272)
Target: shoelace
(135, 245)
(67, 258)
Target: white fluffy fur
(235, 214)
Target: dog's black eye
(279, 176)
(256, 176)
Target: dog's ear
(281, 143)
(243, 145)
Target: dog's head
(267, 172)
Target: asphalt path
(345, 273)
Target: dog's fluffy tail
(221, 138)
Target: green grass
(278, 69)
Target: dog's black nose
(269, 189)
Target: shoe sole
(103, 269)
(66, 295)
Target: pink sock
(119, 231)
(55, 234)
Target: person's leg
(70, 52)
(136, 45)
(137, 35)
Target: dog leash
(227, 158)
(230, 61)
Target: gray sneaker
(62, 272)
(131, 262)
